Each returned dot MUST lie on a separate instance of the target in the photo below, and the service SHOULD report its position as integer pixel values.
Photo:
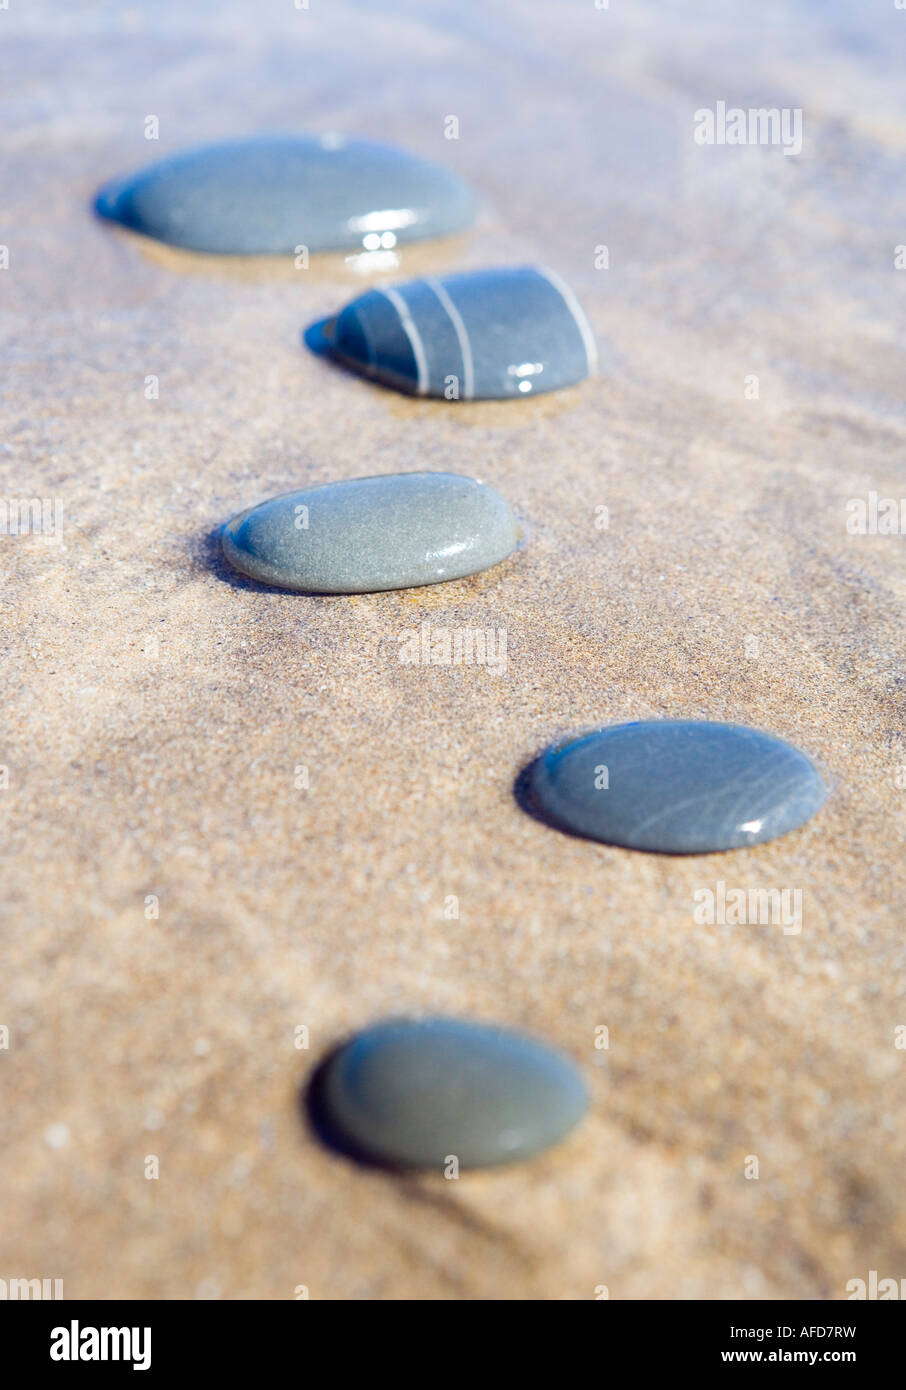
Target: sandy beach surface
(177, 903)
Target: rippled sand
(158, 710)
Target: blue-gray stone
(274, 193)
(394, 531)
(414, 1093)
(677, 786)
(489, 334)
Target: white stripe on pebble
(465, 347)
(575, 308)
(408, 326)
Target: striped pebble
(488, 335)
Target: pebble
(418, 1093)
(486, 335)
(677, 786)
(279, 193)
(364, 535)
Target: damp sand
(157, 707)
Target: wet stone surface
(676, 786)
(277, 193)
(486, 335)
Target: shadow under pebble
(527, 801)
(318, 338)
(207, 551)
(315, 1113)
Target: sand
(158, 710)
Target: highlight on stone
(676, 786)
(422, 1093)
(364, 535)
(279, 193)
(485, 335)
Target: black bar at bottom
(214, 1338)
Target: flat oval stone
(412, 1093)
(394, 531)
(677, 786)
(490, 334)
(273, 193)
